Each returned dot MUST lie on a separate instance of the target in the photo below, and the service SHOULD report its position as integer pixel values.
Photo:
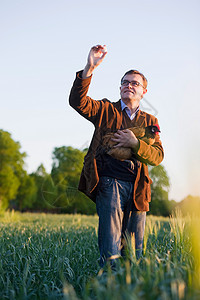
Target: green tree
(45, 189)
(11, 165)
(190, 205)
(26, 192)
(160, 204)
(66, 170)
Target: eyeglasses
(132, 83)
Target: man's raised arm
(78, 98)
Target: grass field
(56, 257)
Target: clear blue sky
(43, 44)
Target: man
(121, 189)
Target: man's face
(130, 92)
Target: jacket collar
(140, 118)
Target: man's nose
(129, 85)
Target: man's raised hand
(95, 58)
(96, 55)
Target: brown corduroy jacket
(106, 117)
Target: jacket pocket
(148, 179)
(147, 187)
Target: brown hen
(146, 134)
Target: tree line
(57, 191)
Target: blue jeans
(117, 216)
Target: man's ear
(144, 91)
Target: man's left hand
(125, 138)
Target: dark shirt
(123, 170)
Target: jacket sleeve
(150, 154)
(79, 100)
